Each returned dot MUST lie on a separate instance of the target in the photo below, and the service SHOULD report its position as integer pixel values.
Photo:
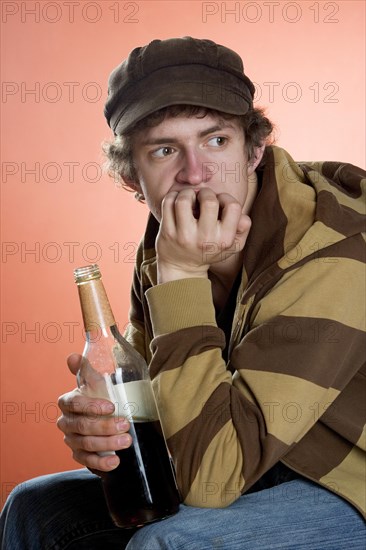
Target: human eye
(217, 141)
(162, 152)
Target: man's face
(191, 152)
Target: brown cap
(176, 71)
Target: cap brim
(168, 87)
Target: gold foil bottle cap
(87, 273)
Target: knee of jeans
(155, 537)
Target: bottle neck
(97, 313)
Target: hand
(89, 427)
(198, 230)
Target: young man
(248, 302)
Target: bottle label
(133, 400)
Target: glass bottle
(142, 488)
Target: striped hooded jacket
(290, 386)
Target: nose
(191, 170)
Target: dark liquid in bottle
(142, 489)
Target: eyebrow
(204, 133)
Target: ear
(255, 160)
(133, 185)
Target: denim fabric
(58, 512)
(296, 515)
(66, 511)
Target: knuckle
(60, 423)
(88, 444)
(81, 425)
(184, 240)
(182, 199)
(166, 234)
(235, 207)
(68, 402)
(210, 201)
(68, 441)
(169, 198)
(75, 405)
(76, 456)
(228, 241)
(62, 402)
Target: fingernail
(108, 407)
(121, 426)
(123, 441)
(113, 461)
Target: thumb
(244, 225)
(243, 229)
(74, 362)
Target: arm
(302, 350)
(224, 432)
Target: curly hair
(120, 165)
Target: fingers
(92, 444)
(185, 206)
(96, 462)
(95, 426)
(181, 210)
(233, 221)
(85, 449)
(191, 223)
(75, 402)
(168, 220)
(244, 225)
(88, 416)
(223, 212)
(85, 416)
(89, 428)
(209, 210)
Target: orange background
(59, 212)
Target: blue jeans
(67, 511)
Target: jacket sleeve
(136, 329)
(303, 346)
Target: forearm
(192, 386)
(224, 432)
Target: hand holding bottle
(141, 488)
(89, 428)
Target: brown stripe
(341, 218)
(146, 319)
(136, 310)
(265, 241)
(315, 459)
(353, 400)
(351, 248)
(346, 176)
(151, 232)
(189, 445)
(261, 450)
(175, 348)
(308, 348)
